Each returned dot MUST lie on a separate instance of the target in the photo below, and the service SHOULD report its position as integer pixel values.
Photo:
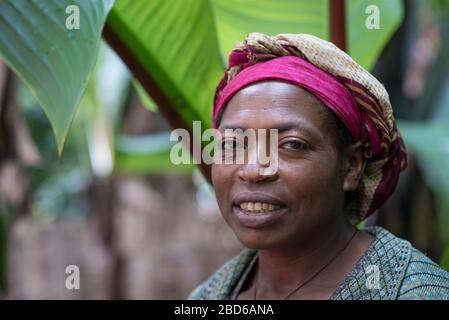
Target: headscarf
(358, 99)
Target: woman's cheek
(221, 181)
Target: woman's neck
(279, 271)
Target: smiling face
(305, 196)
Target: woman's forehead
(271, 104)
(273, 90)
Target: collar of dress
(377, 274)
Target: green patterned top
(390, 269)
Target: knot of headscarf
(351, 92)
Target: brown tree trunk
(17, 151)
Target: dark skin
(313, 174)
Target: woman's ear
(354, 166)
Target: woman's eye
(231, 144)
(294, 145)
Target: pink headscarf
(295, 70)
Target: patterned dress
(390, 269)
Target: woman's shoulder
(424, 279)
(411, 274)
(220, 284)
(393, 269)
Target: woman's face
(306, 193)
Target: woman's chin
(256, 240)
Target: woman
(339, 159)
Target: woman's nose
(258, 168)
(254, 173)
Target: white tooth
(244, 205)
(264, 206)
(250, 206)
(270, 207)
(257, 206)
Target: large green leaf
(175, 42)
(365, 45)
(54, 61)
(235, 19)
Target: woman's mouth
(255, 210)
(258, 207)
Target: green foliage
(145, 99)
(365, 45)
(234, 19)
(148, 154)
(182, 44)
(441, 6)
(428, 141)
(53, 61)
(59, 185)
(175, 42)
